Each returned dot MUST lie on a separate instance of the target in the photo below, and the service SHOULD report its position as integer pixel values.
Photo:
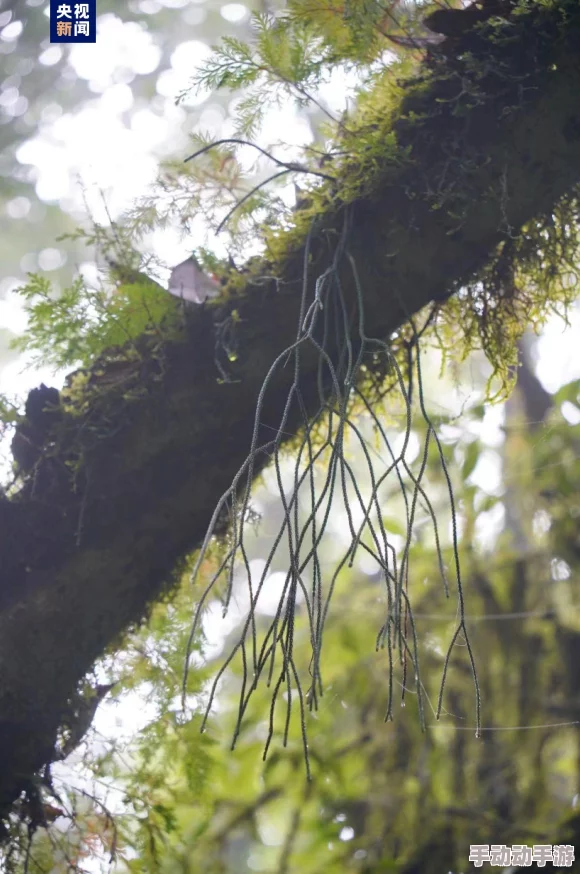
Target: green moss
(424, 140)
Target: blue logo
(73, 22)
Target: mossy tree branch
(79, 565)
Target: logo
(73, 22)
(502, 856)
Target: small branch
(290, 166)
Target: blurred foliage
(384, 797)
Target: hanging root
(325, 324)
